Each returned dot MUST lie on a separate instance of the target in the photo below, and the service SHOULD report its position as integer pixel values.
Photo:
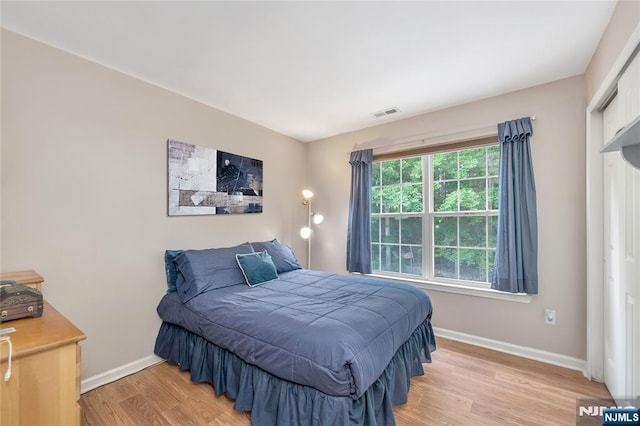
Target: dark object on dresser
(19, 301)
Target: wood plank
(97, 411)
(141, 412)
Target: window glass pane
(445, 166)
(445, 196)
(473, 162)
(391, 199)
(473, 231)
(390, 258)
(391, 172)
(445, 231)
(473, 194)
(493, 160)
(444, 262)
(491, 258)
(412, 170)
(412, 198)
(463, 244)
(411, 230)
(473, 265)
(390, 229)
(493, 231)
(375, 230)
(375, 257)
(375, 199)
(375, 174)
(493, 194)
(411, 262)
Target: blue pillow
(170, 267)
(257, 268)
(282, 255)
(204, 270)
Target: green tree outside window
(462, 190)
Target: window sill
(467, 290)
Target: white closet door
(613, 315)
(622, 247)
(629, 92)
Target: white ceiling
(316, 69)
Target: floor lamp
(314, 217)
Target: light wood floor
(465, 385)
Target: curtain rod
(437, 139)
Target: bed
(305, 348)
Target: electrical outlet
(550, 316)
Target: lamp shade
(305, 232)
(307, 194)
(318, 218)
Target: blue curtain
(516, 264)
(359, 227)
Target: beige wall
(558, 151)
(84, 191)
(83, 160)
(625, 19)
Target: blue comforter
(332, 332)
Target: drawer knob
(30, 309)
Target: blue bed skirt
(273, 401)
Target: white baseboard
(522, 351)
(118, 373)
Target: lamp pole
(317, 218)
(309, 239)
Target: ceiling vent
(385, 112)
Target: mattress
(334, 333)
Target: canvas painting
(209, 181)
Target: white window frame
(427, 281)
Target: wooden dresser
(44, 388)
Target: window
(435, 216)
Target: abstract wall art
(209, 181)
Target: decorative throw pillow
(170, 267)
(204, 270)
(257, 268)
(282, 255)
